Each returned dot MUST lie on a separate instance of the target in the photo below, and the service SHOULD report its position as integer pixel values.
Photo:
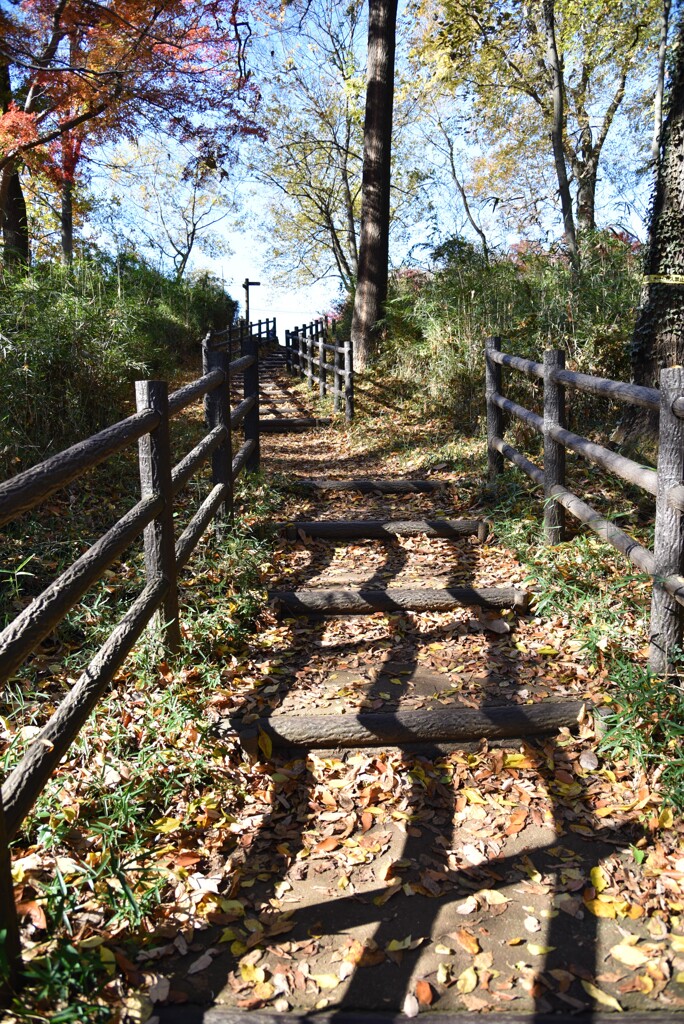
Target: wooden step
(365, 602)
(351, 529)
(286, 426)
(368, 486)
(190, 1013)
(377, 729)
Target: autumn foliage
(73, 70)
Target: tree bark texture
(658, 340)
(371, 287)
(17, 250)
(67, 222)
(557, 99)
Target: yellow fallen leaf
(251, 973)
(547, 650)
(443, 950)
(666, 818)
(600, 996)
(326, 981)
(493, 897)
(536, 950)
(265, 744)
(678, 943)
(165, 825)
(630, 956)
(517, 941)
(600, 909)
(598, 879)
(467, 981)
(394, 945)
(263, 990)
(443, 974)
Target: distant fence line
(666, 562)
(312, 351)
(165, 556)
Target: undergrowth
(73, 339)
(88, 861)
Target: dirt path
(531, 877)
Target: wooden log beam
(350, 529)
(366, 486)
(442, 725)
(365, 602)
(284, 425)
(195, 1014)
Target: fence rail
(665, 563)
(165, 556)
(312, 351)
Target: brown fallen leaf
(466, 941)
(423, 992)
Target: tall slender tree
(371, 287)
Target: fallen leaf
(467, 981)
(410, 1007)
(600, 996)
(630, 956)
(466, 941)
(423, 992)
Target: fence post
(338, 368)
(10, 946)
(251, 389)
(300, 353)
(217, 414)
(309, 353)
(348, 381)
(668, 548)
(322, 385)
(495, 462)
(554, 453)
(154, 460)
(288, 352)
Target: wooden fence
(233, 337)
(312, 351)
(165, 556)
(666, 562)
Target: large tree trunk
(557, 125)
(15, 224)
(67, 222)
(371, 287)
(658, 340)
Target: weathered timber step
(190, 1013)
(283, 425)
(368, 486)
(396, 599)
(443, 725)
(350, 529)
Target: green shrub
(437, 322)
(73, 340)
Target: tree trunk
(658, 339)
(15, 224)
(660, 84)
(557, 125)
(371, 287)
(67, 222)
(586, 199)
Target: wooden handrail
(664, 563)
